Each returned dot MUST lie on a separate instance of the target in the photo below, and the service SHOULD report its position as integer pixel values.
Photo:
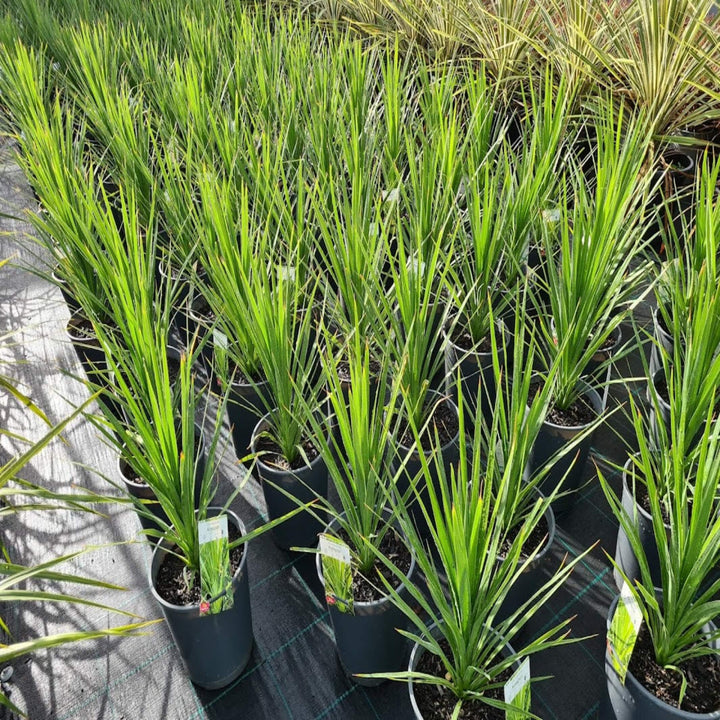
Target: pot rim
(369, 603)
(446, 399)
(592, 393)
(501, 326)
(162, 547)
(416, 654)
(626, 467)
(253, 439)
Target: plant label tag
(220, 339)
(337, 572)
(517, 692)
(286, 273)
(623, 631)
(214, 528)
(551, 216)
(215, 572)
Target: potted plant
(282, 330)
(409, 322)
(364, 620)
(594, 285)
(674, 647)
(236, 362)
(468, 656)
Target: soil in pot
(171, 583)
(562, 426)
(438, 703)
(702, 694)
(444, 421)
(372, 589)
(538, 538)
(580, 412)
(271, 455)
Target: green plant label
(337, 572)
(215, 572)
(623, 631)
(517, 692)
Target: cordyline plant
(279, 327)
(683, 493)
(654, 58)
(160, 436)
(355, 447)
(481, 555)
(226, 246)
(689, 304)
(410, 322)
(53, 155)
(692, 264)
(598, 267)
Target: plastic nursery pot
(624, 555)
(659, 414)
(284, 490)
(215, 649)
(142, 491)
(87, 347)
(70, 300)
(412, 471)
(632, 701)
(186, 295)
(663, 343)
(595, 376)
(368, 640)
(476, 372)
(418, 651)
(244, 408)
(567, 471)
(534, 575)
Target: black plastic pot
(674, 201)
(599, 369)
(534, 575)
(142, 491)
(88, 349)
(284, 490)
(70, 300)
(244, 408)
(368, 641)
(660, 413)
(632, 701)
(214, 648)
(417, 653)
(663, 342)
(186, 295)
(412, 471)
(624, 555)
(567, 470)
(477, 376)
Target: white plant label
(335, 548)
(517, 692)
(212, 529)
(551, 216)
(623, 631)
